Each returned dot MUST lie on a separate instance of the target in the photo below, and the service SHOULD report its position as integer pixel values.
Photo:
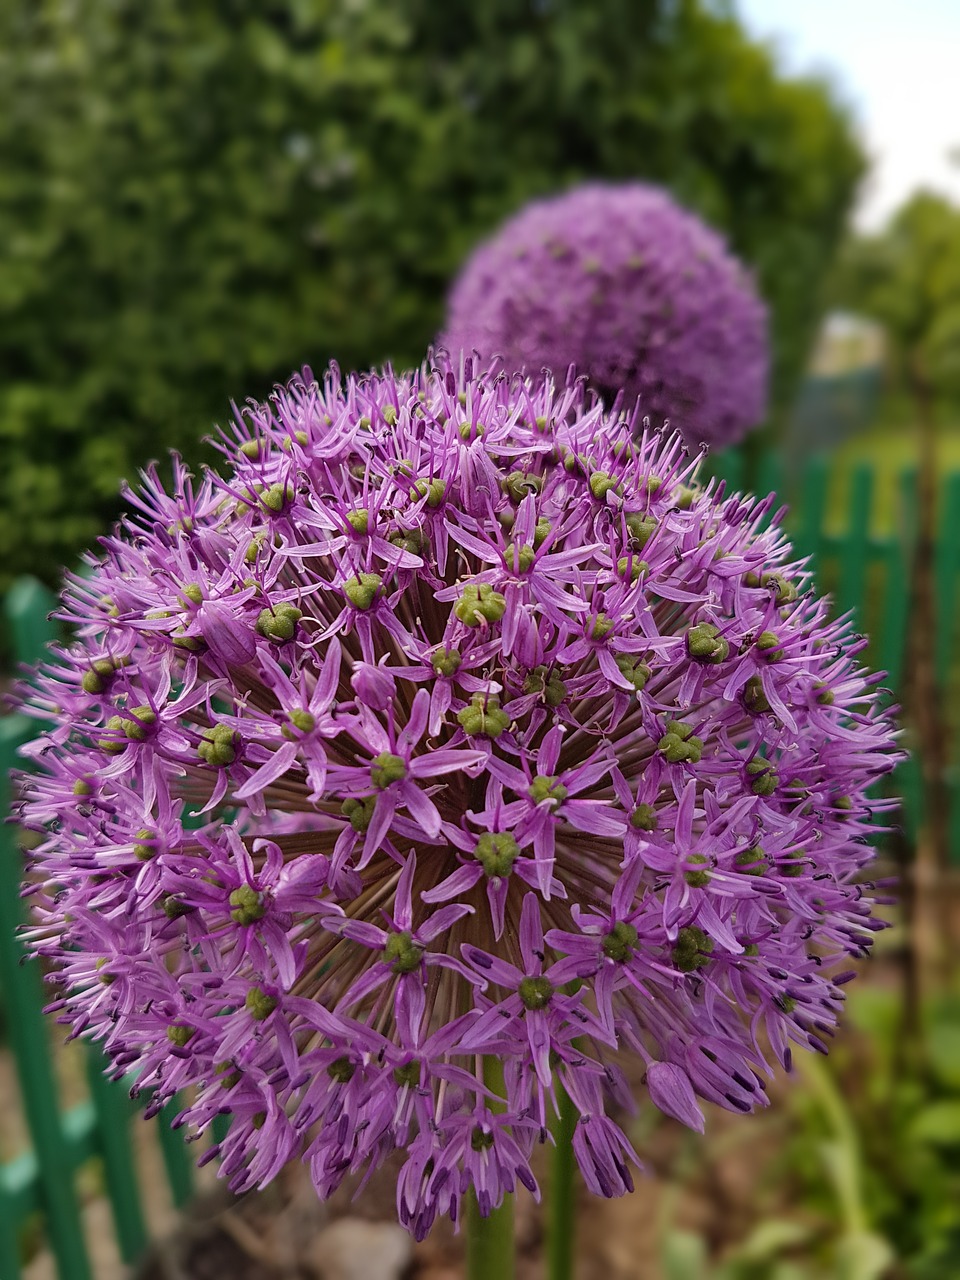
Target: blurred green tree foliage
(196, 196)
(908, 278)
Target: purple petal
(421, 808)
(671, 1091)
(227, 633)
(442, 920)
(278, 764)
(460, 881)
(531, 934)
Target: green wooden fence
(39, 1187)
(868, 572)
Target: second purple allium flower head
(635, 292)
(453, 722)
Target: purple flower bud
(671, 1091)
(374, 687)
(227, 636)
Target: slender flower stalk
(562, 1208)
(491, 1248)
(635, 292)
(452, 722)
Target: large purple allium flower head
(452, 723)
(635, 292)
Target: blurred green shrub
(908, 278)
(198, 195)
(866, 1176)
(878, 1143)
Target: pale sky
(897, 64)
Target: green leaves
(943, 1041)
(199, 198)
(938, 1124)
(908, 278)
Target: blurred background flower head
(620, 284)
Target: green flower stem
(561, 1209)
(491, 1252)
(490, 1249)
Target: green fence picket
(908, 778)
(27, 608)
(176, 1157)
(728, 466)
(890, 635)
(945, 570)
(113, 1112)
(220, 1127)
(28, 1035)
(812, 506)
(851, 588)
(947, 562)
(771, 479)
(10, 1222)
(897, 558)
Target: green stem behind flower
(561, 1208)
(491, 1252)
(490, 1247)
